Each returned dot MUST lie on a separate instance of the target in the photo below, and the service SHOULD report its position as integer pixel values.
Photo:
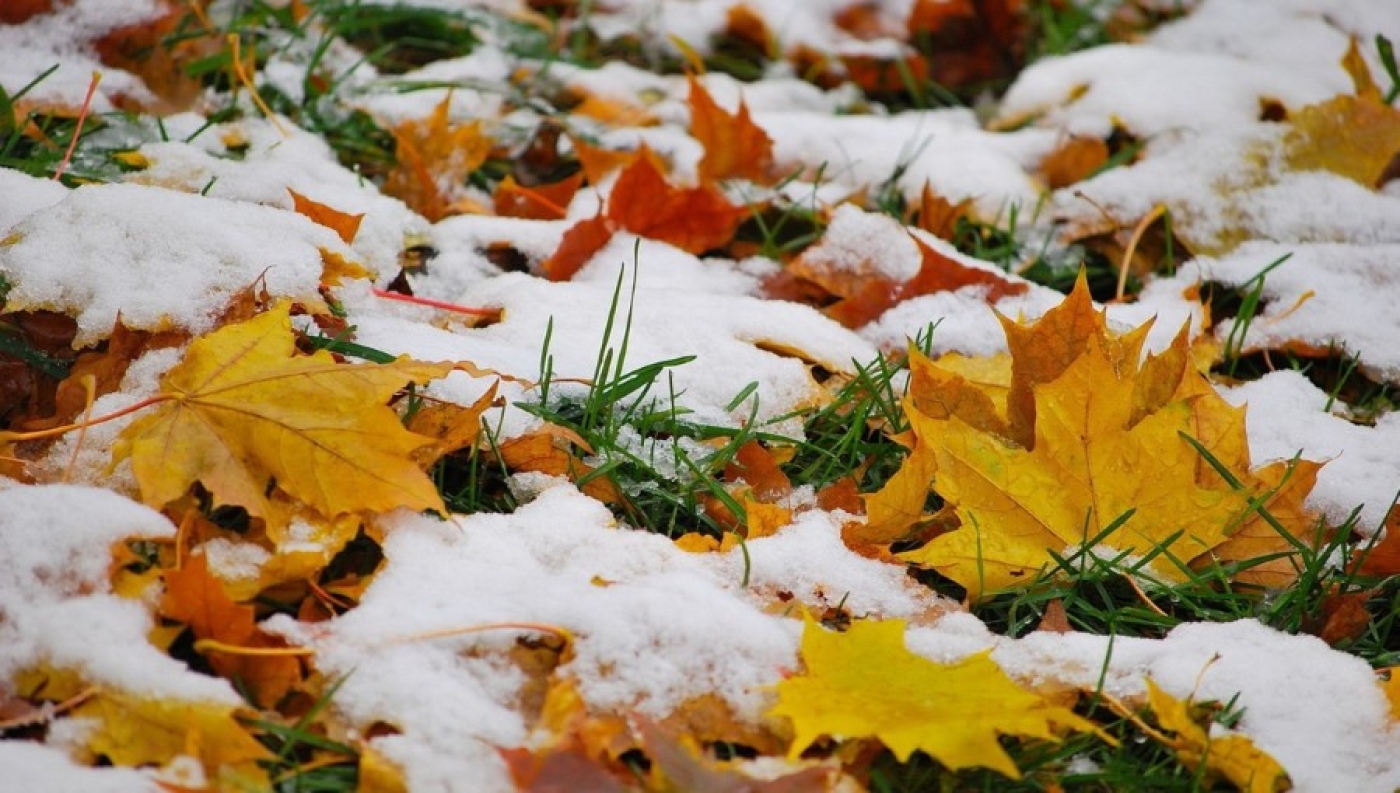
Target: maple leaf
(242, 412)
(694, 219)
(434, 158)
(1355, 137)
(1234, 757)
(1094, 446)
(864, 683)
(735, 147)
(195, 597)
(134, 731)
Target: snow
(209, 215)
(168, 259)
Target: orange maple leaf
(694, 219)
(244, 415)
(541, 202)
(195, 597)
(434, 157)
(735, 147)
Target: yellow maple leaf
(1093, 449)
(243, 412)
(864, 683)
(1352, 136)
(134, 731)
(1234, 757)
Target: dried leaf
(581, 242)
(243, 412)
(694, 219)
(134, 731)
(1351, 136)
(343, 224)
(864, 684)
(540, 202)
(435, 156)
(1087, 447)
(1074, 161)
(735, 147)
(1234, 757)
(197, 598)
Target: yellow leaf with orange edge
(1234, 757)
(134, 731)
(1093, 449)
(243, 412)
(864, 683)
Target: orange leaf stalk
(562, 633)
(53, 432)
(244, 76)
(423, 301)
(90, 388)
(78, 131)
(1147, 220)
(204, 645)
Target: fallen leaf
(434, 157)
(1392, 692)
(735, 147)
(134, 731)
(540, 202)
(242, 412)
(197, 598)
(939, 216)
(583, 239)
(864, 684)
(1073, 161)
(1355, 137)
(1233, 756)
(1382, 558)
(451, 426)
(345, 225)
(1087, 447)
(678, 763)
(549, 452)
(1344, 616)
(694, 219)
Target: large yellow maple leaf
(243, 412)
(1094, 447)
(864, 683)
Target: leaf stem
(14, 437)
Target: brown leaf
(939, 216)
(451, 426)
(1383, 558)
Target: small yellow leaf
(1234, 757)
(864, 683)
(244, 412)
